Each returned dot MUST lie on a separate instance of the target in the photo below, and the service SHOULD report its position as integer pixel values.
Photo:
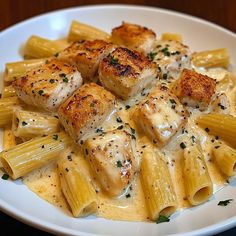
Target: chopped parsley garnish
(99, 130)
(162, 219)
(182, 145)
(65, 80)
(92, 104)
(127, 195)
(172, 101)
(114, 61)
(56, 55)
(5, 176)
(40, 92)
(120, 127)
(118, 119)
(216, 147)
(55, 137)
(165, 51)
(24, 123)
(127, 107)
(152, 55)
(119, 164)
(221, 106)
(132, 130)
(225, 202)
(164, 76)
(207, 129)
(193, 139)
(52, 81)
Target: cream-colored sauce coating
(45, 182)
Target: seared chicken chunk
(49, 85)
(134, 37)
(160, 116)
(125, 72)
(85, 110)
(87, 56)
(114, 159)
(171, 58)
(194, 89)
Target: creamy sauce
(45, 182)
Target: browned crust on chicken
(87, 55)
(196, 87)
(125, 69)
(134, 36)
(85, 110)
(42, 86)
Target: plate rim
(54, 228)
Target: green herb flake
(52, 81)
(65, 80)
(132, 130)
(225, 202)
(5, 176)
(162, 219)
(172, 101)
(207, 129)
(193, 139)
(92, 104)
(127, 107)
(164, 76)
(118, 119)
(128, 195)
(40, 92)
(152, 55)
(120, 127)
(182, 145)
(55, 136)
(119, 164)
(56, 55)
(24, 123)
(113, 61)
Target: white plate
(19, 202)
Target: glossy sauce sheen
(131, 204)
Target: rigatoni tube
(6, 110)
(211, 58)
(28, 124)
(77, 190)
(79, 31)
(37, 47)
(221, 125)
(19, 68)
(157, 185)
(33, 154)
(225, 158)
(198, 185)
(8, 91)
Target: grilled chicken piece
(87, 56)
(194, 89)
(125, 72)
(114, 159)
(171, 58)
(49, 85)
(134, 37)
(85, 110)
(160, 116)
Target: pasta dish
(125, 126)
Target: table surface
(13, 11)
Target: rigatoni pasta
(220, 125)
(80, 31)
(198, 185)
(8, 91)
(157, 185)
(77, 190)
(225, 158)
(33, 154)
(28, 124)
